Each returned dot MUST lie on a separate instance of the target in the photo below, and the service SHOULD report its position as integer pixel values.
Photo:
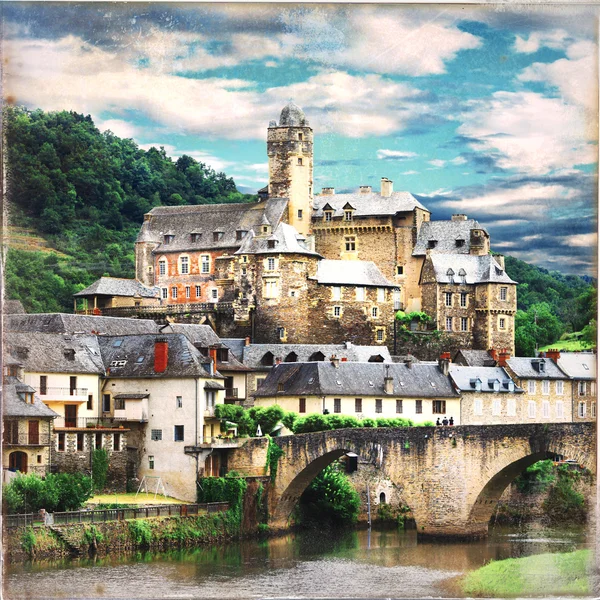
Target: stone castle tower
(290, 152)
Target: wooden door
(17, 461)
(34, 432)
(70, 415)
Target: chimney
(388, 382)
(327, 191)
(444, 363)
(335, 361)
(387, 187)
(459, 217)
(553, 354)
(347, 345)
(494, 354)
(344, 359)
(212, 352)
(504, 356)
(408, 362)
(365, 189)
(247, 341)
(161, 354)
(500, 260)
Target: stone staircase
(70, 537)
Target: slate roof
(253, 354)
(203, 336)
(574, 364)
(464, 378)
(13, 307)
(360, 379)
(351, 272)
(55, 352)
(477, 269)
(113, 286)
(474, 358)
(287, 241)
(371, 204)
(291, 116)
(69, 323)
(445, 233)
(528, 368)
(184, 360)
(181, 221)
(15, 405)
(236, 345)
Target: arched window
(316, 357)
(267, 360)
(382, 498)
(291, 357)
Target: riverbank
(558, 574)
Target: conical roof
(292, 116)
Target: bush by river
(539, 575)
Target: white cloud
(410, 173)
(438, 163)
(73, 74)
(574, 76)
(556, 39)
(581, 240)
(123, 129)
(395, 154)
(216, 163)
(531, 133)
(459, 160)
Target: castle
(321, 268)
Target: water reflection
(380, 563)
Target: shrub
(28, 540)
(99, 468)
(564, 500)
(368, 422)
(536, 478)
(310, 423)
(141, 532)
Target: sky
(490, 111)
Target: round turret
(292, 116)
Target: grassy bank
(132, 498)
(539, 575)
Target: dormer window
(11, 371)
(271, 244)
(432, 243)
(499, 271)
(542, 366)
(168, 239)
(29, 397)
(328, 216)
(217, 236)
(195, 237)
(265, 229)
(348, 215)
(240, 234)
(450, 272)
(460, 243)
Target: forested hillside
(86, 193)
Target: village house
(27, 422)
(112, 292)
(272, 268)
(420, 391)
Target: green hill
(83, 194)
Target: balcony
(59, 394)
(209, 411)
(27, 439)
(231, 393)
(166, 309)
(88, 423)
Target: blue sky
(488, 111)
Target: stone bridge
(450, 477)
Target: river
(357, 563)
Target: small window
(511, 407)
(300, 137)
(478, 406)
(328, 215)
(531, 386)
(379, 335)
(502, 323)
(299, 161)
(460, 243)
(594, 410)
(196, 237)
(244, 271)
(560, 411)
(98, 441)
(168, 239)
(80, 442)
(581, 410)
(151, 462)
(350, 243)
(300, 213)
(503, 293)
(178, 433)
(179, 402)
(205, 263)
(90, 402)
(271, 244)
(374, 312)
(198, 291)
(418, 407)
(188, 291)
(105, 403)
(174, 293)
(448, 323)
(280, 387)
(184, 265)
(531, 409)
(117, 442)
(337, 311)
(61, 442)
(119, 403)
(380, 295)
(582, 388)
(399, 407)
(347, 215)
(156, 435)
(399, 270)
(337, 405)
(496, 407)
(463, 300)
(448, 297)
(545, 387)
(360, 294)
(240, 234)
(378, 406)
(270, 264)
(336, 293)
(214, 294)
(281, 333)
(302, 405)
(43, 385)
(432, 243)
(164, 293)
(546, 409)
(358, 405)
(439, 407)
(464, 324)
(217, 236)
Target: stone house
(165, 391)
(27, 422)
(580, 367)
(488, 396)
(263, 269)
(421, 391)
(261, 358)
(112, 292)
(547, 389)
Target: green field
(132, 499)
(539, 575)
(570, 342)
